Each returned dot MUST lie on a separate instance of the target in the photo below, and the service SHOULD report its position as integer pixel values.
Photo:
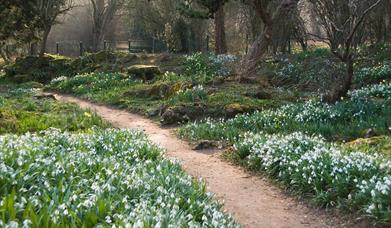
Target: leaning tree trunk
(263, 41)
(44, 42)
(219, 21)
(342, 89)
(256, 51)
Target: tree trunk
(256, 51)
(97, 39)
(4, 56)
(263, 41)
(219, 21)
(343, 89)
(99, 16)
(44, 42)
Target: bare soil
(253, 201)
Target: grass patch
(378, 144)
(20, 112)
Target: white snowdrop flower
(12, 224)
(108, 219)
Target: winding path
(253, 201)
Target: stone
(170, 117)
(144, 72)
(231, 110)
(48, 96)
(204, 145)
(370, 133)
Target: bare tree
(272, 16)
(49, 10)
(103, 12)
(342, 24)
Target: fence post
(104, 45)
(129, 45)
(207, 43)
(57, 48)
(247, 41)
(81, 48)
(32, 49)
(153, 45)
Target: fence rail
(75, 48)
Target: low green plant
(331, 176)
(193, 95)
(349, 119)
(310, 70)
(21, 113)
(92, 82)
(373, 74)
(103, 178)
(208, 66)
(372, 145)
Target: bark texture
(271, 22)
(219, 21)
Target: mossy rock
(165, 90)
(231, 110)
(128, 58)
(261, 94)
(161, 90)
(144, 72)
(104, 56)
(39, 69)
(378, 144)
(32, 84)
(20, 78)
(183, 113)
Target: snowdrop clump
(311, 165)
(382, 90)
(196, 93)
(58, 80)
(300, 116)
(221, 62)
(113, 178)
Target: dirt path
(251, 200)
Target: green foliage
(207, 66)
(373, 74)
(309, 70)
(20, 113)
(101, 178)
(329, 175)
(195, 94)
(39, 69)
(200, 8)
(378, 144)
(19, 20)
(349, 119)
(170, 89)
(90, 83)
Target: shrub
(208, 65)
